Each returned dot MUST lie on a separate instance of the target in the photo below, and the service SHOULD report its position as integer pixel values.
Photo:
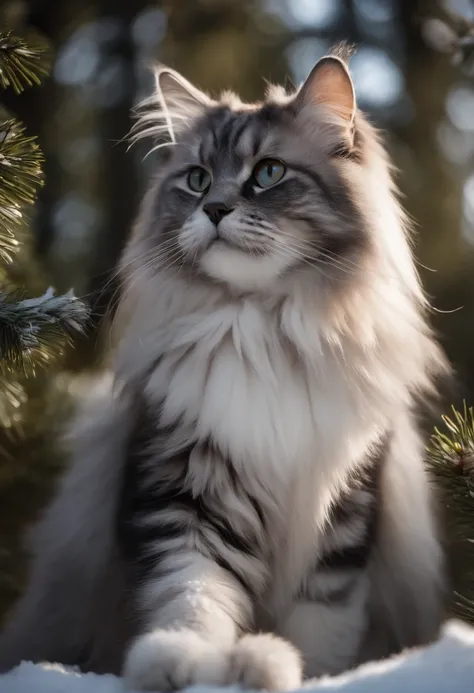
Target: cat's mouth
(237, 243)
(221, 242)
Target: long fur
(259, 467)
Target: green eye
(199, 179)
(268, 172)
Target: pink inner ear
(330, 84)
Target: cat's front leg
(193, 634)
(193, 614)
(329, 630)
(204, 553)
(329, 618)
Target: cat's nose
(216, 211)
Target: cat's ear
(178, 95)
(168, 110)
(329, 84)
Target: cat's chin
(239, 269)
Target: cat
(247, 500)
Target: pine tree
(451, 448)
(451, 460)
(34, 331)
(29, 326)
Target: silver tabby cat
(248, 500)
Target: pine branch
(450, 455)
(455, 448)
(20, 65)
(31, 327)
(34, 325)
(20, 177)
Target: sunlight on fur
(247, 500)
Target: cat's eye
(199, 179)
(268, 172)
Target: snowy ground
(446, 667)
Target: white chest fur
(234, 376)
(280, 406)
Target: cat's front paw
(169, 660)
(265, 662)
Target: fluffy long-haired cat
(248, 500)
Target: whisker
(148, 257)
(174, 256)
(316, 264)
(342, 263)
(286, 249)
(143, 257)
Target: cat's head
(254, 194)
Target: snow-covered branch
(34, 323)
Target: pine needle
(450, 455)
(20, 177)
(35, 325)
(20, 65)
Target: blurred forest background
(99, 51)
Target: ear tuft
(177, 94)
(172, 105)
(329, 84)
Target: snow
(445, 667)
